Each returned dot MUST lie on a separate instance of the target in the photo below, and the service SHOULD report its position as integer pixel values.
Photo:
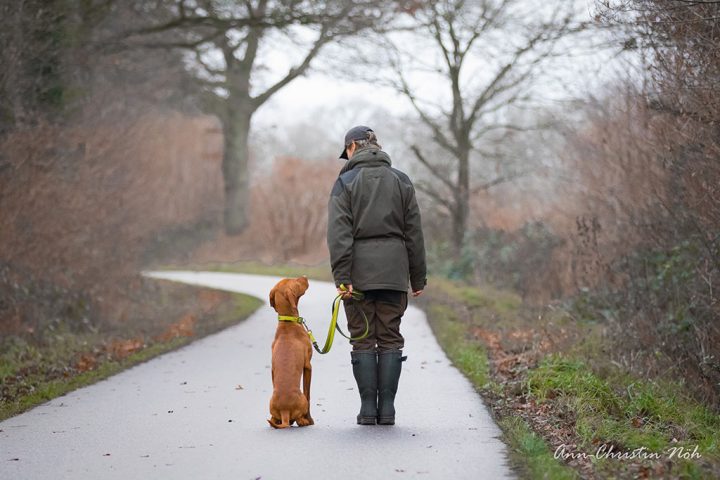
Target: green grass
(469, 357)
(43, 366)
(500, 302)
(532, 451)
(627, 412)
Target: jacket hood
(366, 157)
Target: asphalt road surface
(200, 412)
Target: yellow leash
(356, 295)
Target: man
(376, 247)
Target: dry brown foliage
(81, 204)
(289, 207)
(185, 327)
(288, 213)
(645, 199)
(87, 196)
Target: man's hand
(417, 294)
(347, 293)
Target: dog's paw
(305, 421)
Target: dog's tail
(285, 420)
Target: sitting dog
(291, 354)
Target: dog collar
(288, 318)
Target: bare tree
(226, 42)
(514, 42)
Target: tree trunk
(236, 129)
(461, 208)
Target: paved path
(180, 415)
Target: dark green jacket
(374, 231)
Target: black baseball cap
(354, 134)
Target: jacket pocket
(380, 262)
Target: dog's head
(285, 295)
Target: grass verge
(531, 451)
(552, 385)
(33, 372)
(628, 414)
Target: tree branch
(433, 194)
(254, 34)
(438, 134)
(294, 72)
(497, 181)
(210, 70)
(432, 168)
(489, 90)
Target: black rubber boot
(389, 367)
(365, 369)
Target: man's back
(374, 232)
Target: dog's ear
(295, 289)
(272, 297)
(287, 297)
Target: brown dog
(291, 354)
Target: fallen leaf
(84, 363)
(182, 328)
(122, 348)
(209, 299)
